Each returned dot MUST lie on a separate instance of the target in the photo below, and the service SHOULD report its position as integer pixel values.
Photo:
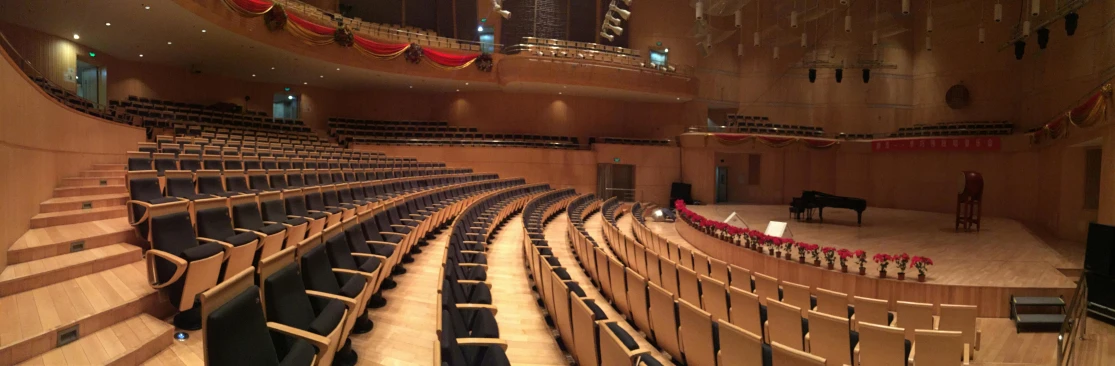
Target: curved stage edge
(993, 301)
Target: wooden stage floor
(1004, 253)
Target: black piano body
(811, 200)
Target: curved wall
(41, 142)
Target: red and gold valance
(774, 141)
(249, 8)
(320, 35)
(1091, 112)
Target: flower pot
(921, 278)
(882, 274)
(862, 271)
(801, 259)
(788, 256)
(901, 276)
(770, 251)
(843, 268)
(817, 262)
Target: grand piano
(813, 200)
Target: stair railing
(1073, 329)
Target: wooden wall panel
(41, 142)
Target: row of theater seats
(220, 144)
(165, 114)
(629, 141)
(304, 300)
(722, 310)
(72, 100)
(466, 327)
(266, 139)
(963, 128)
(584, 328)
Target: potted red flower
(774, 246)
(843, 254)
(830, 255)
(883, 260)
(861, 260)
(788, 246)
(902, 261)
(922, 264)
(802, 248)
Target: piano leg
(821, 214)
(859, 218)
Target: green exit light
(483, 20)
(659, 44)
(615, 160)
(91, 54)
(286, 89)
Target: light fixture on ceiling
(458, 89)
(479, 28)
(338, 69)
(607, 36)
(617, 30)
(666, 50)
(998, 12)
(622, 13)
(169, 42)
(272, 67)
(466, 84)
(253, 75)
(76, 36)
(290, 97)
(905, 7)
(147, 7)
(700, 7)
(739, 18)
(305, 83)
(498, 8)
(611, 19)
(108, 24)
(982, 34)
(321, 76)
(203, 31)
(559, 93)
(1035, 7)
(679, 98)
(141, 55)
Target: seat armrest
(179, 264)
(482, 342)
(320, 342)
(475, 282)
(348, 301)
(367, 255)
(381, 243)
(259, 234)
(491, 308)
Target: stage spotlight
(812, 75)
(700, 6)
(847, 23)
(756, 37)
(804, 40)
(998, 12)
(866, 75)
(1071, 21)
(1043, 37)
(658, 213)
(839, 75)
(1035, 7)
(739, 49)
(794, 19)
(982, 34)
(1019, 49)
(905, 7)
(622, 13)
(611, 19)
(739, 18)
(607, 36)
(617, 30)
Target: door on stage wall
(615, 180)
(721, 184)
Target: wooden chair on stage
(969, 202)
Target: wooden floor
(1001, 345)
(521, 322)
(1004, 253)
(555, 235)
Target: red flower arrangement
(830, 254)
(883, 260)
(922, 264)
(902, 261)
(861, 258)
(844, 254)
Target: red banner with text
(984, 143)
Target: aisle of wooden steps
(75, 289)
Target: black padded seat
(287, 303)
(237, 334)
(273, 228)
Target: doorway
(285, 105)
(88, 78)
(721, 184)
(615, 180)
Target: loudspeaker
(680, 191)
(1100, 252)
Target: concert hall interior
(557, 182)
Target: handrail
(1073, 329)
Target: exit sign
(615, 160)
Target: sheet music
(738, 219)
(779, 229)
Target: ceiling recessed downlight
(76, 36)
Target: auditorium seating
(435, 133)
(630, 141)
(72, 100)
(195, 119)
(962, 128)
(762, 125)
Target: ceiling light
(679, 98)
(559, 93)
(305, 83)
(322, 76)
(479, 28)
(290, 97)
(253, 75)
(272, 67)
(147, 7)
(666, 50)
(76, 36)
(466, 84)
(141, 55)
(338, 69)
(202, 31)
(108, 24)
(169, 42)
(410, 86)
